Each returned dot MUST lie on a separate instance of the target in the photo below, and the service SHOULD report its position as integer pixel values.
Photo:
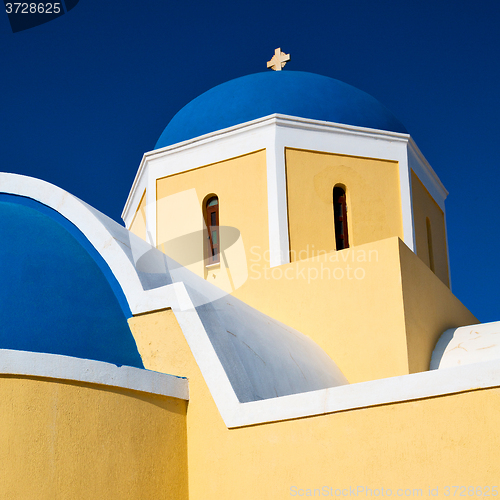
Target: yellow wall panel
(69, 440)
(373, 199)
(241, 186)
(335, 299)
(376, 309)
(425, 207)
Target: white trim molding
(393, 390)
(55, 366)
(274, 133)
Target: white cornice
(417, 386)
(133, 190)
(274, 119)
(282, 120)
(55, 366)
(322, 126)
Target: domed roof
(58, 295)
(293, 93)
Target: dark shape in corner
(22, 16)
(70, 4)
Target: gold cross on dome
(278, 61)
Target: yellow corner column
(430, 309)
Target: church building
(275, 319)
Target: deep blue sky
(84, 96)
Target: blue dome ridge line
(293, 93)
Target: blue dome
(294, 93)
(58, 295)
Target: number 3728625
(33, 8)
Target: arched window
(212, 222)
(429, 244)
(340, 218)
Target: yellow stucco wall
(138, 226)
(339, 305)
(425, 207)
(366, 306)
(429, 443)
(241, 186)
(68, 440)
(373, 199)
(430, 309)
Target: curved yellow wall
(373, 200)
(425, 207)
(69, 440)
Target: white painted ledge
(466, 345)
(392, 390)
(54, 366)
(374, 393)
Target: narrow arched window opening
(212, 223)
(340, 218)
(429, 244)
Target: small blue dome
(293, 93)
(58, 295)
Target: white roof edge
(276, 119)
(58, 367)
(281, 120)
(392, 390)
(107, 245)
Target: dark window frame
(340, 218)
(212, 223)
